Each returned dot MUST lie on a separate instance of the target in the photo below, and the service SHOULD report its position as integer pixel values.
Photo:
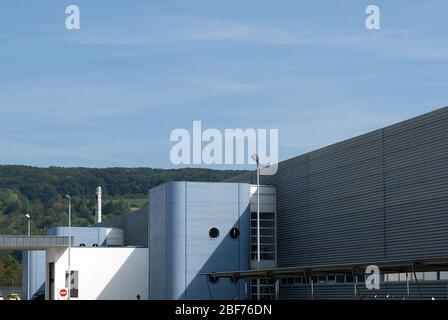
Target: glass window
(267, 256)
(392, 277)
(431, 275)
(234, 233)
(213, 233)
(402, 276)
(322, 279)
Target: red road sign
(63, 292)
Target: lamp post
(67, 196)
(28, 217)
(256, 158)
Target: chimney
(98, 205)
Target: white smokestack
(98, 205)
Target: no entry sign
(63, 293)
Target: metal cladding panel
(176, 240)
(8, 242)
(292, 228)
(82, 235)
(157, 243)
(214, 205)
(390, 290)
(416, 188)
(181, 215)
(33, 272)
(114, 237)
(380, 196)
(134, 225)
(243, 225)
(330, 204)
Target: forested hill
(41, 191)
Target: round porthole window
(234, 233)
(213, 233)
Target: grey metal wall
(392, 290)
(379, 196)
(134, 225)
(181, 215)
(88, 236)
(33, 272)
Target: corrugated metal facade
(394, 291)
(379, 196)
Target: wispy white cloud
(161, 31)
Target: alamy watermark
(373, 19)
(231, 146)
(73, 21)
(373, 277)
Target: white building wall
(103, 273)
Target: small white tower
(98, 205)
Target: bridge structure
(24, 242)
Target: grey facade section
(82, 235)
(347, 291)
(32, 242)
(134, 225)
(181, 215)
(377, 197)
(33, 272)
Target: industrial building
(377, 199)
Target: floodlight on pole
(28, 217)
(67, 196)
(256, 158)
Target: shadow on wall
(230, 255)
(127, 283)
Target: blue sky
(111, 93)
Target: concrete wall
(104, 273)
(181, 215)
